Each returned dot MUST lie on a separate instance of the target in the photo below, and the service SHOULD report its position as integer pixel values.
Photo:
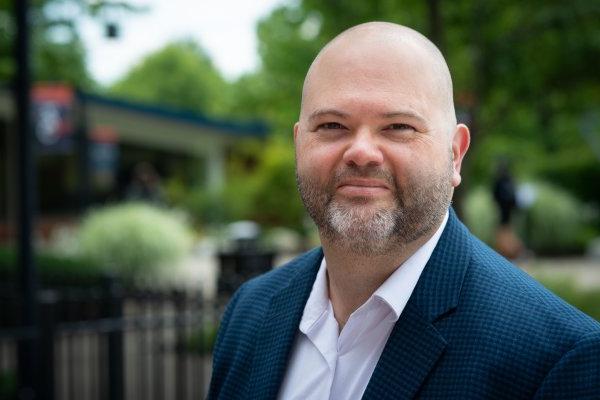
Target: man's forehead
(370, 71)
(368, 41)
(372, 64)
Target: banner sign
(54, 125)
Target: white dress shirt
(328, 365)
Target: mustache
(370, 172)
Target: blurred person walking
(145, 185)
(507, 241)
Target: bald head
(388, 53)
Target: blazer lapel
(411, 352)
(415, 345)
(280, 328)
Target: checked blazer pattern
(475, 327)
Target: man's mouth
(362, 187)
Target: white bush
(134, 240)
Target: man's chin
(354, 219)
(358, 203)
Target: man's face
(373, 149)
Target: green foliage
(134, 240)
(7, 32)
(340, 15)
(273, 92)
(203, 340)
(574, 169)
(522, 107)
(8, 384)
(480, 215)
(554, 224)
(180, 75)
(57, 52)
(53, 268)
(275, 199)
(209, 208)
(62, 62)
(556, 221)
(8, 258)
(266, 193)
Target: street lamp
(28, 276)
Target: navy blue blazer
(475, 327)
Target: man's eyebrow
(393, 114)
(405, 114)
(327, 111)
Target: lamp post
(436, 28)
(28, 277)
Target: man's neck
(352, 278)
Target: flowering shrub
(133, 240)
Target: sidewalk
(584, 271)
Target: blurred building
(88, 146)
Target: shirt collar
(394, 292)
(318, 300)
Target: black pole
(436, 28)
(83, 152)
(48, 309)
(25, 181)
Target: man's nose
(363, 150)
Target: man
(402, 301)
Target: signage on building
(104, 157)
(53, 111)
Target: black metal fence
(108, 343)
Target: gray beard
(365, 231)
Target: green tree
(180, 75)
(57, 52)
(525, 72)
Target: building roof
(228, 127)
(253, 128)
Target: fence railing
(107, 343)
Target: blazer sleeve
(576, 375)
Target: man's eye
(330, 125)
(400, 127)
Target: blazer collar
(438, 289)
(414, 346)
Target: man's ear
(296, 128)
(460, 145)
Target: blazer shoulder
(245, 315)
(509, 295)
(252, 299)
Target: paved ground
(584, 271)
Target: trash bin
(243, 258)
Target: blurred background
(147, 168)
